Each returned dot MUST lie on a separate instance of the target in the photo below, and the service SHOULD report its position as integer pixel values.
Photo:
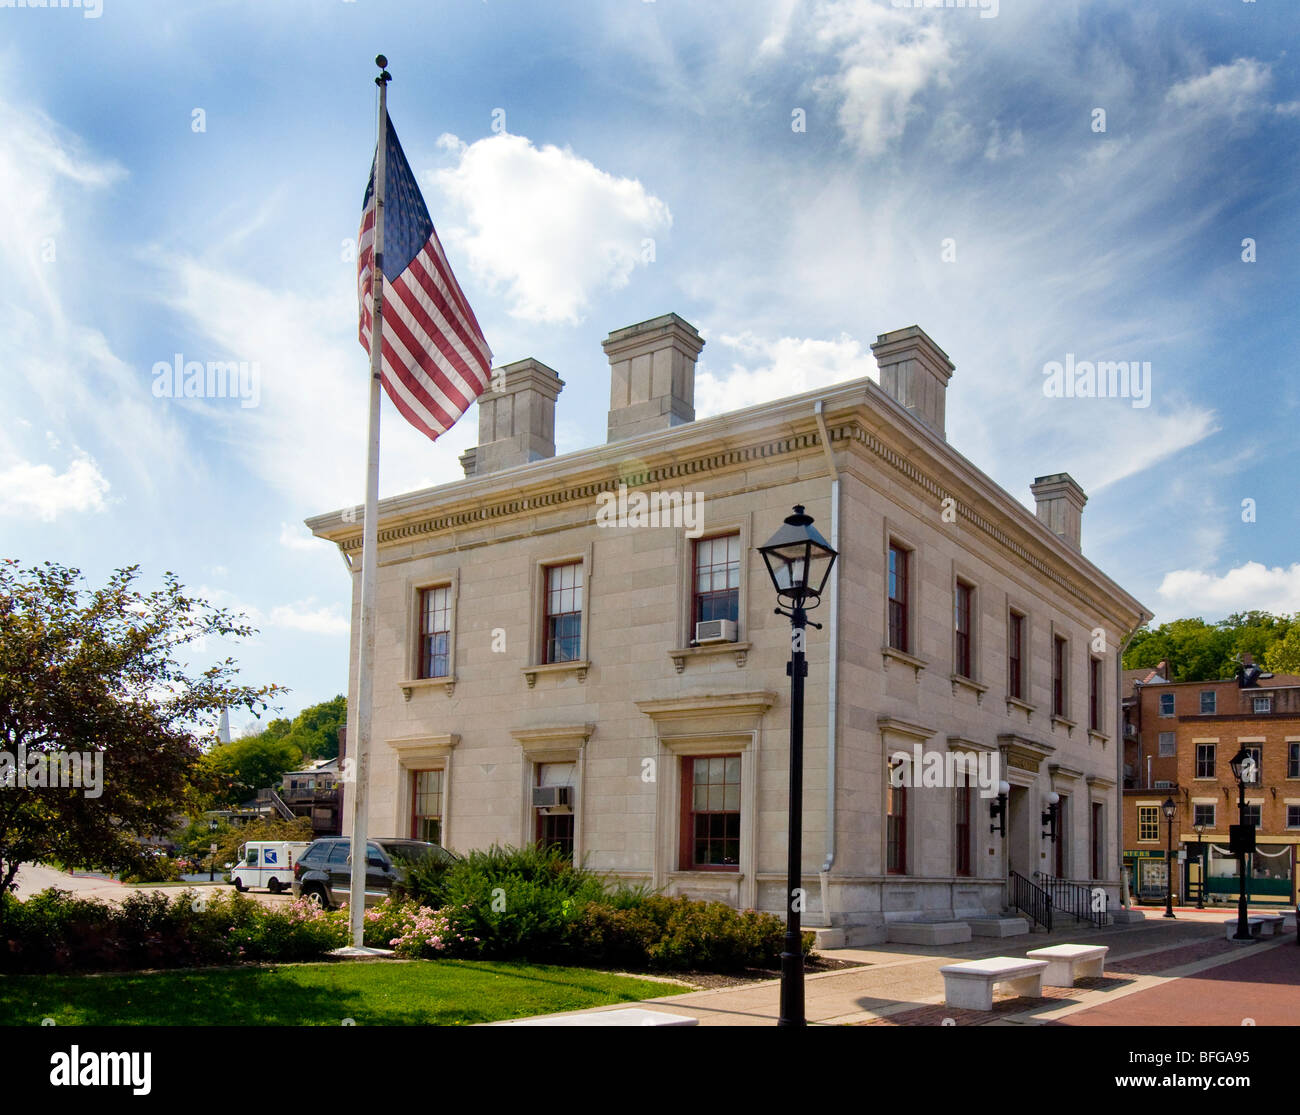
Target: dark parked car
(323, 872)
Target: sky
(1033, 182)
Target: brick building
(1179, 738)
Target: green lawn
(371, 993)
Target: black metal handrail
(1030, 899)
(1076, 899)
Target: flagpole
(370, 540)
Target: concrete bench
(1066, 963)
(626, 1016)
(1261, 925)
(970, 985)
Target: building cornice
(858, 413)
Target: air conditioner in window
(553, 799)
(715, 631)
(1164, 786)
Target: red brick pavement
(1263, 986)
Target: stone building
(582, 649)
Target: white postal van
(267, 863)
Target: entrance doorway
(1021, 853)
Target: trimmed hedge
(54, 931)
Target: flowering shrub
(416, 931)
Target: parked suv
(323, 872)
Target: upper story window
(1016, 656)
(1167, 744)
(1209, 702)
(1203, 814)
(563, 612)
(1293, 816)
(1059, 694)
(1094, 694)
(717, 578)
(1256, 753)
(1205, 753)
(1166, 704)
(1293, 760)
(435, 631)
(1253, 813)
(1148, 822)
(1264, 704)
(963, 654)
(899, 576)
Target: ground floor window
(896, 823)
(961, 835)
(710, 835)
(426, 805)
(556, 819)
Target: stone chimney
(915, 371)
(516, 418)
(652, 375)
(1060, 505)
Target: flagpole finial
(384, 75)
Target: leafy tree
(96, 672)
(244, 766)
(1283, 656)
(315, 730)
(1200, 651)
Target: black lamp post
(1169, 809)
(1200, 858)
(1243, 770)
(799, 561)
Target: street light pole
(1170, 809)
(792, 996)
(799, 561)
(1200, 859)
(1243, 767)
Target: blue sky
(552, 142)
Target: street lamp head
(1240, 759)
(1198, 829)
(1169, 809)
(1004, 788)
(798, 560)
(1053, 798)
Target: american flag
(435, 360)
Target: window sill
(705, 872)
(961, 681)
(917, 664)
(682, 654)
(1068, 725)
(1023, 706)
(579, 667)
(1100, 736)
(411, 684)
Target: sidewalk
(900, 985)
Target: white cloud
(1228, 90)
(37, 491)
(886, 59)
(1189, 592)
(547, 225)
(999, 148)
(773, 369)
(298, 537)
(302, 616)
